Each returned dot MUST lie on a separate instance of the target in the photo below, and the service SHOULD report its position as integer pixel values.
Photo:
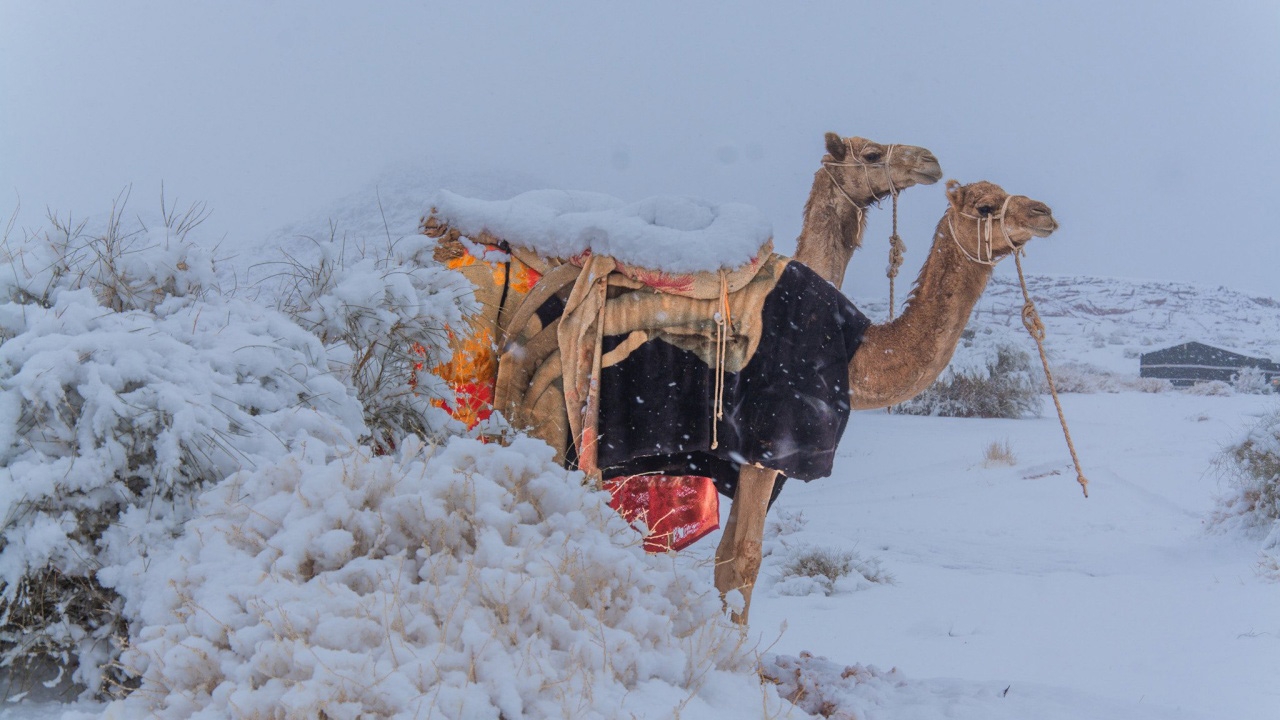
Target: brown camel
(855, 174)
(896, 360)
(899, 359)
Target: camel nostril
(1040, 209)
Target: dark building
(1193, 362)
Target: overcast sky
(1149, 127)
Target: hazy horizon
(1148, 127)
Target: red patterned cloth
(678, 509)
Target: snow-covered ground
(1012, 596)
(1006, 577)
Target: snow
(675, 234)
(1007, 576)
(1011, 596)
(975, 591)
(466, 581)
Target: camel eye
(985, 210)
(872, 156)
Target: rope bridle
(897, 248)
(986, 231)
(1030, 316)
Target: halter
(883, 164)
(986, 229)
(897, 248)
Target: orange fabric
(472, 370)
(678, 509)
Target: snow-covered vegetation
(128, 383)
(224, 503)
(461, 581)
(381, 310)
(1251, 467)
(986, 380)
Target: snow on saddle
(648, 320)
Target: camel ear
(955, 193)
(836, 146)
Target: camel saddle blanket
(674, 380)
(625, 379)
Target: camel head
(867, 171)
(988, 223)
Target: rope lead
(1031, 320)
(897, 249)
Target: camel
(896, 360)
(899, 359)
(855, 174)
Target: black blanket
(786, 409)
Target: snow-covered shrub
(126, 385)
(1152, 385)
(381, 311)
(1269, 555)
(1081, 377)
(1000, 386)
(839, 692)
(1210, 388)
(1251, 381)
(127, 264)
(462, 580)
(813, 570)
(1252, 468)
(1077, 377)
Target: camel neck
(899, 359)
(832, 229)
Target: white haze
(1148, 126)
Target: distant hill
(1109, 322)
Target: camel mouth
(1044, 228)
(927, 173)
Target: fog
(1149, 127)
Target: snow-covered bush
(1083, 377)
(1251, 381)
(462, 580)
(813, 570)
(1152, 385)
(839, 692)
(1001, 385)
(126, 264)
(801, 568)
(1269, 555)
(1252, 468)
(126, 386)
(1210, 388)
(381, 311)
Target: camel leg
(738, 555)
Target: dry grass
(999, 454)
